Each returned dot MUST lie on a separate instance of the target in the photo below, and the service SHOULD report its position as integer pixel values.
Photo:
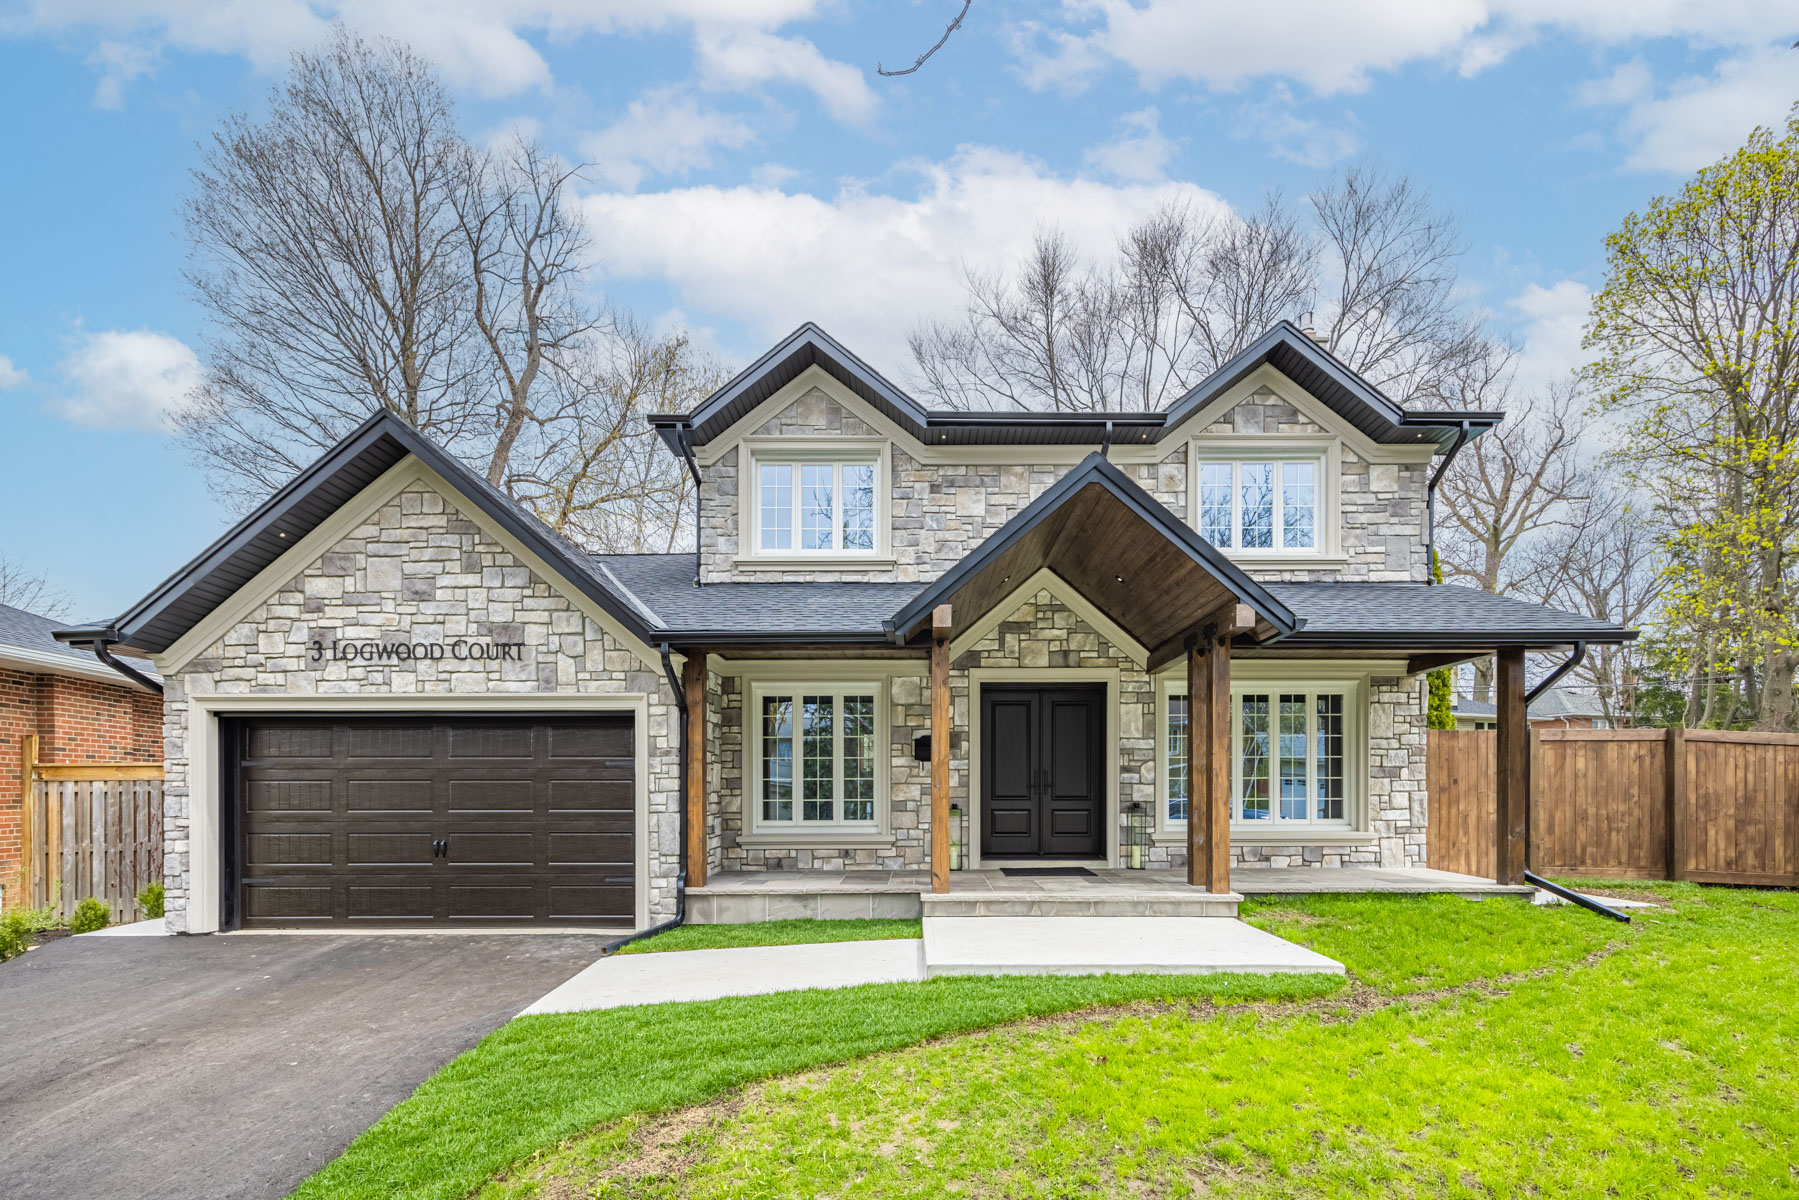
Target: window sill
(1248, 560)
(1287, 837)
(846, 840)
(804, 562)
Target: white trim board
(1313, 410)
(206, 851)
(337, 526)
(31, 661)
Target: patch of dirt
(45, 936)
(1606, 893)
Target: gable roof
(1284, 347)
(184, 599)
(1117, 545)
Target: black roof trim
(185, 598)
(1285, 347)
(1097, 471)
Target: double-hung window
(817, 752)
(1291, 756)
(815, 507)
(1266, 504)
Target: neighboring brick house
(80, 709)
(394, 695)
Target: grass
(1483, 1049)
(774, 933)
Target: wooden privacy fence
(1708, 805)
(91, 829)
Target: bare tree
(1507, 490)
(327, 251)
(1183, 293)
(938, 45)
(356, 253)
(21, 587)
(1605, 563)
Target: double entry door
(1042, 794)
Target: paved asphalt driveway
(234, 1066)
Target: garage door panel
(341, 819)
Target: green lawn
(1482, 1049)
(774, 933)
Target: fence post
(1675, 797)
(27, 833)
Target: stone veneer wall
(941, 512)
(418, 570)
(1045, 633)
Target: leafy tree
(1698, 334)
(1442, 681)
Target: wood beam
(1209, 761)
(693, 684)
(1230, 619)
(1513, 815)
(1418, 664)
(941, 627)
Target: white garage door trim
(206, 851)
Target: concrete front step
(719, 907)
(1081, 902)
(1109, 945)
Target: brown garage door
(420, 820)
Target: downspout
(98, 645)
(1430, 504)
(674, 922)
(1105, 447)
(1556, 889)
(693, 468)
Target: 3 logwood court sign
(460, 649)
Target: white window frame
(757, 691)
(1353, 689)
(1324, 455)
(799, 453)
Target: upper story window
(815, 506)
(1269, 504)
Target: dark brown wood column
(1513, 828)
(1209, 760)
(693, 681)
(940, 735)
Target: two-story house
(1187, 639)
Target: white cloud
(119, 63)
(746, 59)
(10, 376)
(663, 132)
(478, 44)
(127, 379)
(1303, 140)
(865, 265)
(1553, 319)
(1330, 47)
(1139, 152)
(1700, 119)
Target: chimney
(1305, 327)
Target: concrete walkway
(671, 976)
(1104, 945)
(951, 946)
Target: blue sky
(751, 171)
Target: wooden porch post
(1209, 760)
(693, 681)
(1513, 817)
(940, 735)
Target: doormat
(1044, 871)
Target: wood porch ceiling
(1108, 539)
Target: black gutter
(1430, 504)
(1574, 660)
(1483, 642)
(98, 641)
(674, 922)
(1572, 897)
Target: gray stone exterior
(941, 512)
(418, 570)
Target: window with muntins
(815, 507)
(1260, 504)
(1289, 756)
(817, 752)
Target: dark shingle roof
(1371, 613)
(663, 583)
(32, 632)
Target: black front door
(1041, 791)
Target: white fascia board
(49, 662)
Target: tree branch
(953, 26)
